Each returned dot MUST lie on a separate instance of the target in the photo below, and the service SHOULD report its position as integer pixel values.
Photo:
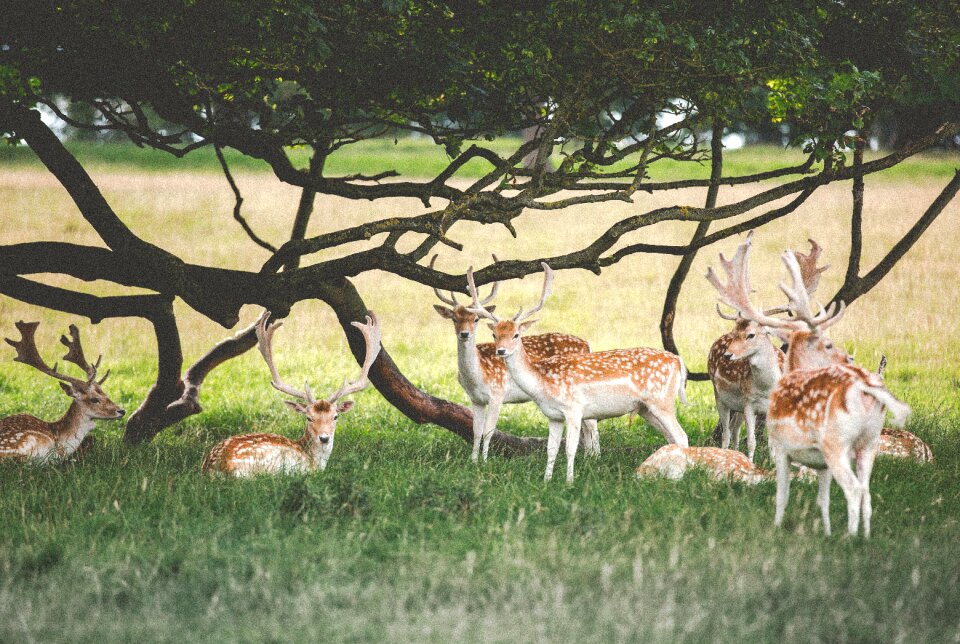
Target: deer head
(87, 393)
(809, 346)
(321, 415)
(507, 333)
(464, 319)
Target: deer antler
(809, 271)
(479, 306)
(371, 333)
(736, 292)
(75, 355)
(799, 297)
(547, 284)
(27, 353)
(265, 345)
(452, 300)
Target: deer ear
(526, 325)
(68, 389)
(443, 311)
(491, 326)
(298, 407)
(491, 309)
(344, 406)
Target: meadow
(402, 538)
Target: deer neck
(468, 361)
(524, 373)
(765, 368)
(71, 429)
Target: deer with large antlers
(744, 366)
(253, 454)
(28, 438)
(484, 376)
(824, 411)
(573, 387)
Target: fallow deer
(744, 366)
(28, 438)
(484, 376)
(253, 454)
(824, 411)
(672, 462)
(899, 442)
(573, 387)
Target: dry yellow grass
(910, 316)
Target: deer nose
(501, 352)
(464, 334)
(324, 439)
(728, 355)
(121, 412)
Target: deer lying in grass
(484, 376)
(573, 387)
(824, 411)
(672, 461)
(28, 438)
(253, 454)
(744, 365)
(899, 442)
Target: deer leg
(839, 466)
(666, 422)
(823, 498)
(591, 437)
(750, 419)
(724, 412)
(573, 441)
(864, 467)
(490, 423)
(783, 483)
(553, 446)
(479, 415)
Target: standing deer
(573, 387)
(744, 366)
(28, 438)
(824, 411)
(252, 454)
(484, 376)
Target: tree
(587, 80)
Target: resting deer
(28, 438)
(744, 366)
(672, 461)
(253, 454)
(484, 376)
(573, 387)
(899, 442)
(824, 411)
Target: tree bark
(680, 275)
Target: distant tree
(587, 79)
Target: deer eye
(751, 336)
(95, 401)
(336, 416)
(476, 319)
(828, 345)
(516, 335)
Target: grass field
(402, 538)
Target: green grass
(402, 538)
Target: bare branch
(239, 202)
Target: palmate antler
(371, 333)
(736, 292)
(28, 354)
(478, 307)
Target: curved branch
(239, 202)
